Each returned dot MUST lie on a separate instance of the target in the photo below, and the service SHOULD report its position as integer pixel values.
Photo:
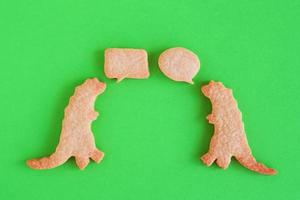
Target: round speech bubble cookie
(179, 64)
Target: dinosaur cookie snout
(207, 89)
(98, 86)
(212, 88)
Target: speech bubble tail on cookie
(76, 138)
(119, 79)
(190, 82)
(229, 139)
(179, 64)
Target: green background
(152, 131)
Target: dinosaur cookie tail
(54, 160)
(250, 163)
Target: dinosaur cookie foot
(222, 161)
(83, 161)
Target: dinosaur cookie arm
(211, 118)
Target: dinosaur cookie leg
(208, 159)
(83, 160)
(97, 156)
(76, 137)
(222, 161)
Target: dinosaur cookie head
(214, 89)
(93, 86)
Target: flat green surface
(152, 131)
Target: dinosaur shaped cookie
(229, 137)
(76, 138)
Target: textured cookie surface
(179, 64)
(229, 139)
(76, 137)
(126, 63)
